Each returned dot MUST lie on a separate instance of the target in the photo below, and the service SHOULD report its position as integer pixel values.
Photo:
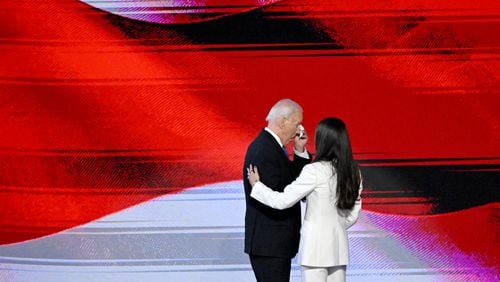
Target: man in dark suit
(272, 236)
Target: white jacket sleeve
(292, 193)
(352, 215)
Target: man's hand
(301, 141)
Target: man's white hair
(283, 108)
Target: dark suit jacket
(270, 232)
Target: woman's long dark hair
(333, 145)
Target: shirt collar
(274, 135)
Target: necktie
(285, 151)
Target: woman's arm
(292, 193)
(352, 215)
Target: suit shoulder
(319, 168)
(315, 165)
(262, 149)
(261, 142)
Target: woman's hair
(333, 145)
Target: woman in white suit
(332, 187)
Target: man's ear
(282, 122)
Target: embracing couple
(330, 184)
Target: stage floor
(197, 235)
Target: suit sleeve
(269, 168)
(303, 185)
(353, 215)
(299, 163)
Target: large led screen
(124, 124)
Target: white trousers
(323, 274)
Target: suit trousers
(323, 274)
(271, 269)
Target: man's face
(291, 126)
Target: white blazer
(323, 240)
